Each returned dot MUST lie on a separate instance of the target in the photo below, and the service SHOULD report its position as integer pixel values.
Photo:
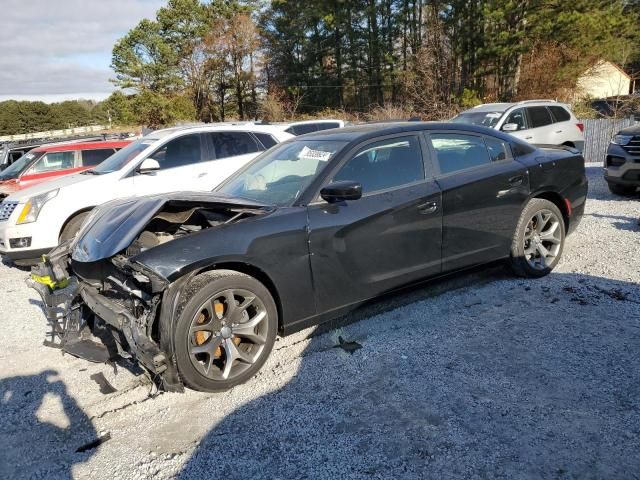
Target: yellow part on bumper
(46, 280)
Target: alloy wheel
(228, 333)
(542, 239)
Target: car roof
(214, 127)
(66, 147)
(358, 133)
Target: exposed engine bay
(175, 221)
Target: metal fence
(598, 133)
(53, 133)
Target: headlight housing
(622, 139)
(32, 208)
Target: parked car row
(55, 160)
(195, 285)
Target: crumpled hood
(113, 226)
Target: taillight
(580, 127)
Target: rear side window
(231, 144)
(327, 125)
(179, 152)
(91, 158)
(385, 164)
(497, 149)
(53, 161)
(455, 152)
(302, 129)
(560, 114)
(539, 117)
(267, 140)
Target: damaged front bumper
(89, 325)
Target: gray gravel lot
(481, 376)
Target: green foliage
(469, 99)
(24, 117)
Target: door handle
(528, 138)
(427, 208)
(516, 181)
(203, 174)
(558, 131)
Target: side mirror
(340, 191)
(149, 165)
(510, 127)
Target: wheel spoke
(233, 353)
(542, 250)
(246, 330)
(204, 327)
(230, 301)
(208, 347)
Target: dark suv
(622, 163)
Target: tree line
(238, 59)
(243, 59)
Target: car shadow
(630, 224)
(33, 429)
(517, 379)
(11, 264)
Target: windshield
(19, 166)
(119, 159)
(484, 119)
(281, 174)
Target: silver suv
(535, 121)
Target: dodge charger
(196, 286)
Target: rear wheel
(225, 331)
(623, 190)
(538, 240)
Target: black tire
(523, 262)
(201, 290)
(72, 227)
(622, 190)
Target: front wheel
(538, 240)
(225, 331)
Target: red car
(55, 160)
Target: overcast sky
(53, 50)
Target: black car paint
(320, 259)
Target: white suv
(535, 121)
(36, 219)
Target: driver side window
(387, 164)
(179, 152)
(517, 117)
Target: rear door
(180, 161)
(228, 152)
(95, 156)
(389, 237)
(541, 125)
(483, 191)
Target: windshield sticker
(308, 154)
(494, 115)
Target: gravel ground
(480, 376)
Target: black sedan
(197, 286)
